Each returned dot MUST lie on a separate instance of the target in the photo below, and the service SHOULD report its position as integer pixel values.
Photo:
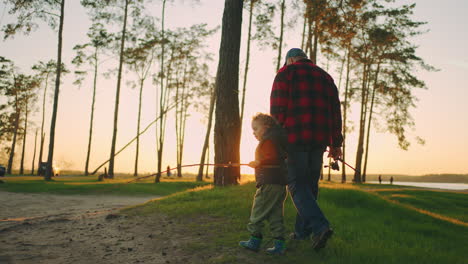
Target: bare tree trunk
(315, 48)
(280, 45)
(43, 119)
(360, 146)
(303, 32)
(158, 138)
(15, 135)
(50, 156)
(369, 123)
(117, 93)
(137, 150)
(207, 136)
(227, 132)
(207, 162)
(309, 35)
(34, 154)
(25, 133)
(345, 113)
(247, 59)
(88, 153)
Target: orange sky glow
(440, 114)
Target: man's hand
(254, 164)
(335, 153)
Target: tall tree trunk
(345, 113)
(181, 143)
(364, 172)
(308, 14)
(137, 150)
(280, 44)
(88, 153)
(304, 32)
(158, 138)
(247, 59)
(117, 93)
(315, 48)
(207, 136)
(362, 121)
(25, 133)
(227, 124)
(34, 154)
(41, 148)
(207, 161)
(50, 156)
(15, 135)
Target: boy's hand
(254, 164)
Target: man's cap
(295, 52)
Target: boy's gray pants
(268, 205)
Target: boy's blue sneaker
(252, 244)
(278, 249)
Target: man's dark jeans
(303, 175)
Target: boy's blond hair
(266, 119)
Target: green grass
(450, 204)
(70, 185)
(368, 229)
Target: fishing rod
(222, 165)
(334, 165)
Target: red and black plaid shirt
(305, 101)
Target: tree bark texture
(227, 124)
(207, 136)
(50, 156)
(93, 101)
(25, 133)
(117, 93)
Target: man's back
(305, 100)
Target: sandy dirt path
(56, 229)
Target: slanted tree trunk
(34, 154)
(207, 136)
(227, 124)
(25, 133)
(280, 44)
(93, 101)
(117, 93)
(50, 156)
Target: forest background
(439, 117)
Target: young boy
(270, 175)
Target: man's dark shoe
(319, 241)
(294, 236)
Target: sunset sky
(440, 114)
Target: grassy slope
(368, 228)
(445, 203)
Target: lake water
(437, 185)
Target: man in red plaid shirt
(305, 101)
